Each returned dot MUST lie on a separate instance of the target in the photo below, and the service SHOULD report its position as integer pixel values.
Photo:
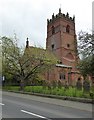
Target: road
(15, 105)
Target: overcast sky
(28, 18)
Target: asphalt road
(16, 105)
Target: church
(62, 42)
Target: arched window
(70, 56)
(53, 29)
(68, 29)
(62, 76)
(52, 47)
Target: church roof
(40, 53)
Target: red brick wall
(64, 43)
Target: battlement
(60, 15)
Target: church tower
(61, 39)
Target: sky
(93, 16)
(28, 18)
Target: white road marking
(2, 104)
(35, 114)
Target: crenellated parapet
(61, 15)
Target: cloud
(28, 18)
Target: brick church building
(61, 41)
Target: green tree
(35, 62)
(84, 67)
(26, 65)
(86, 50)
(10, 58)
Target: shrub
(72, 92)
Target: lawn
(71, 91)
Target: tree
(35, 62)
(10, 58)
(27, 65)
(86, 49)
(86, 44)
(84, 67)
